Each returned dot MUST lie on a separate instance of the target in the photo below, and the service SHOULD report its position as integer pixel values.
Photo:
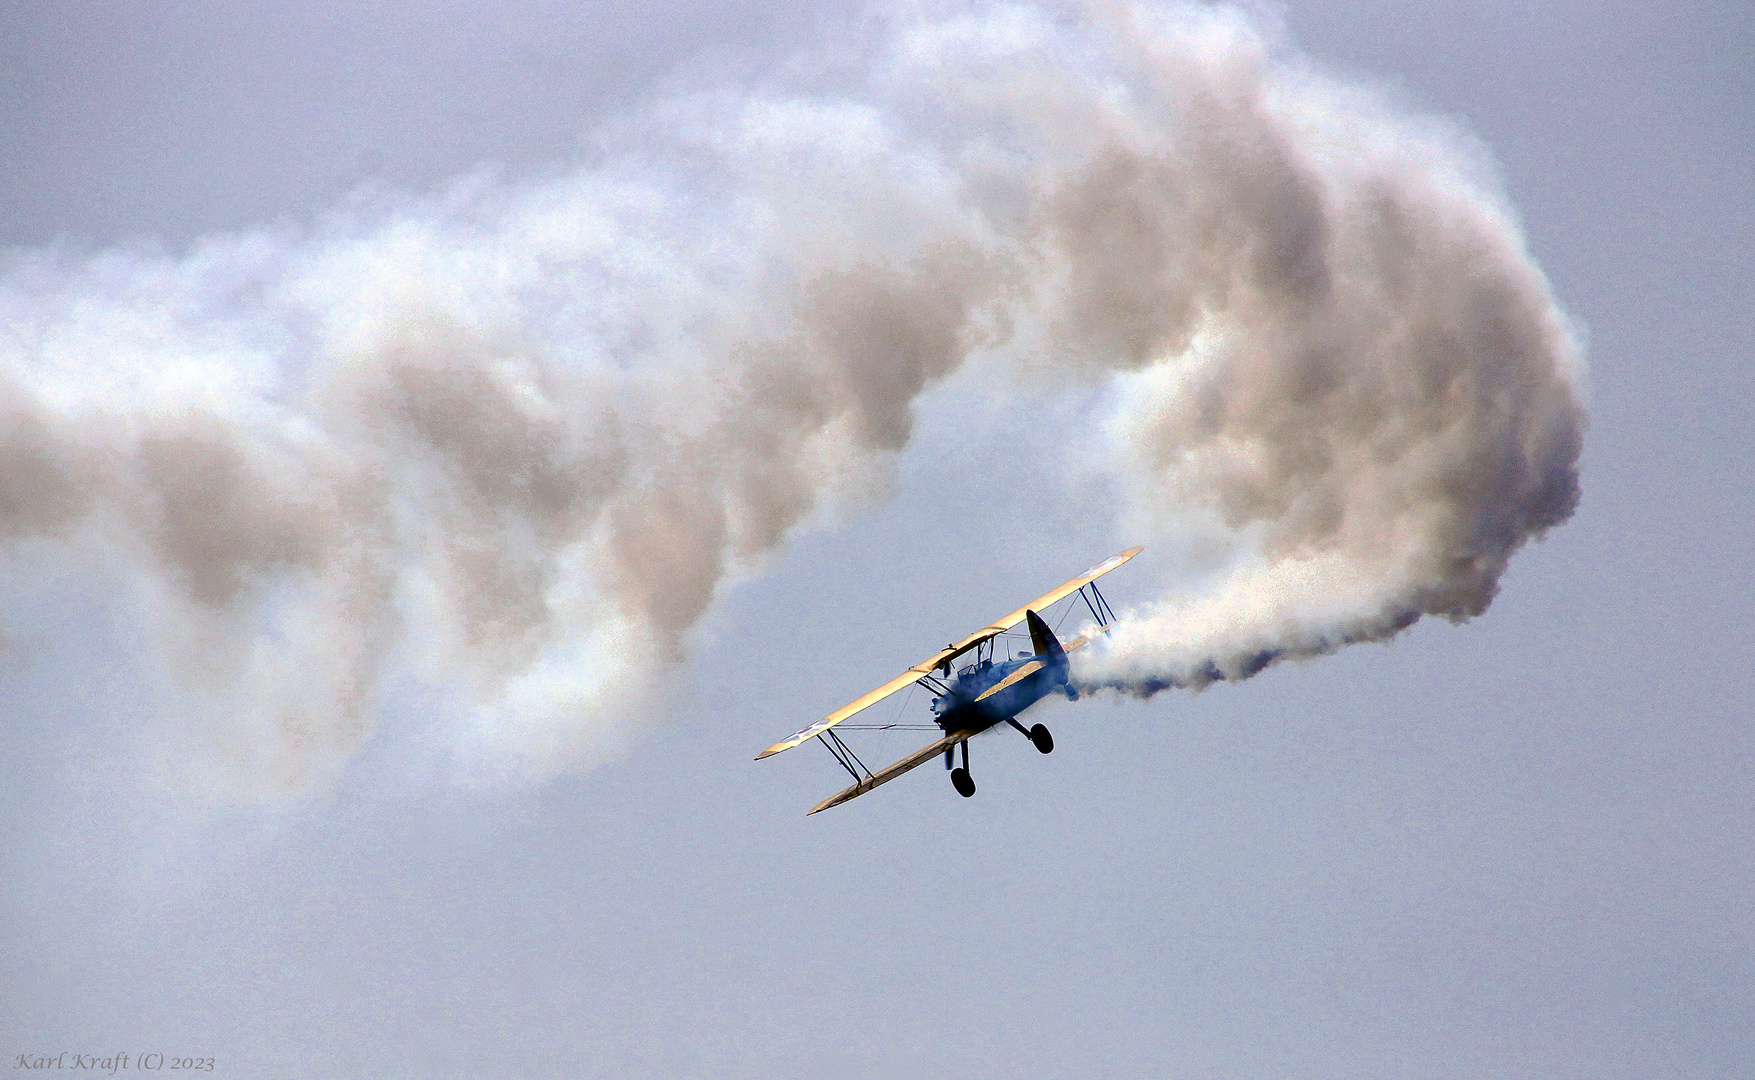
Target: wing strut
(845, 755)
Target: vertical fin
(1042, 640)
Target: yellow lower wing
(912, 761)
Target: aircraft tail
(1043, 641)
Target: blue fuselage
(960, 709)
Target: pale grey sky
(1516, 847)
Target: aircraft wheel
(963, 782)
(1044, 741)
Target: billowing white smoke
(513, 440)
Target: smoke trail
(1376, 388)
(511, 442)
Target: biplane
(985, 692)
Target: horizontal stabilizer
(1013, 679)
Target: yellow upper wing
(944, 657)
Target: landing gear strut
(1037, 735)
(960, 778)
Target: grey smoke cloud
(513, 441)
